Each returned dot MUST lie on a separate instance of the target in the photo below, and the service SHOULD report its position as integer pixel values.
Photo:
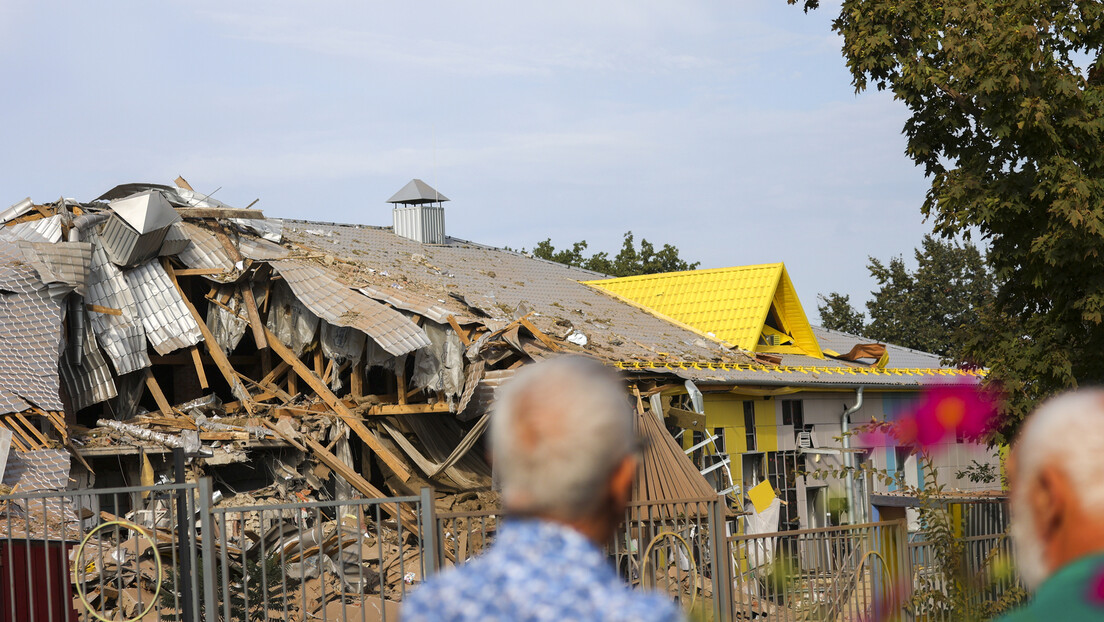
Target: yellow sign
(761, 496)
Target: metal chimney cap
(417, 192)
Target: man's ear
(1050, 501)
(622, 480)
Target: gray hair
(1067, 430)
(559, 428)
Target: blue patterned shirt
(536, 570)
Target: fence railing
(666, 546)
(328, 561)
(834, 573)
(99, 554)
(164, 553)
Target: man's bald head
(559, 430)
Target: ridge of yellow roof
(731, 304)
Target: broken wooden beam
(197, 360)
(158, 396)
(407, 409)
(217, 355)
(397, 466)
(219, 212)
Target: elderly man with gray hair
(565, 455)
(1056, 472)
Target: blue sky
(727, 129)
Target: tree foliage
(629, 261)
(933, 308)
(837, 313)
(1006, 103)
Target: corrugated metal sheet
(10, 403)
(413, 303)
(260, 249)
(125, 246)
(333, 301)
(41, 230)
(30, 333)
(17, 209)
(90, 381)
(121, 336)
(168, 324)
(63, 266)
(145, 212)
(175, 242)
(206, 252)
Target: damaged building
(326, 360)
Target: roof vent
(418, 214)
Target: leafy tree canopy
(629, 261)
(930, 308)
(1006, 103)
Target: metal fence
(329, 561)
(164, 553)
(834, 573)
(666, 546)
(67, 556)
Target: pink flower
(943, 410)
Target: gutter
(848, 460)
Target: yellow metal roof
(731, 303)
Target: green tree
(837, 313)
(629, 261)
(932, 308)
(1006, 103)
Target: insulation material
(121, 336)
(440, 367)
(89, 381)
(168, 323)
(341, 343)
(375, 356)
(129, 390)
(30, 335)
(292, 322)
(227, 323)
(336, 303)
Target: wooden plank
(543, 338)
(329, 370)
(199, 271)
(219, 212)
(56, 420)
(273, 375)
(79, 456)
(463, 334)
(231, 249)
(319, 370)
(287, 437)
(183, 183)
(390, 459)
(197, 360)
(104, 310)
(158, 396)
(356, 380)
(254, 315)
(32, 428)
(687, 419)
(217, 355)
(362, 485)
(15, 427)
(407, 409)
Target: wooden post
(356, 380)
(198, 361)
(158, 396)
